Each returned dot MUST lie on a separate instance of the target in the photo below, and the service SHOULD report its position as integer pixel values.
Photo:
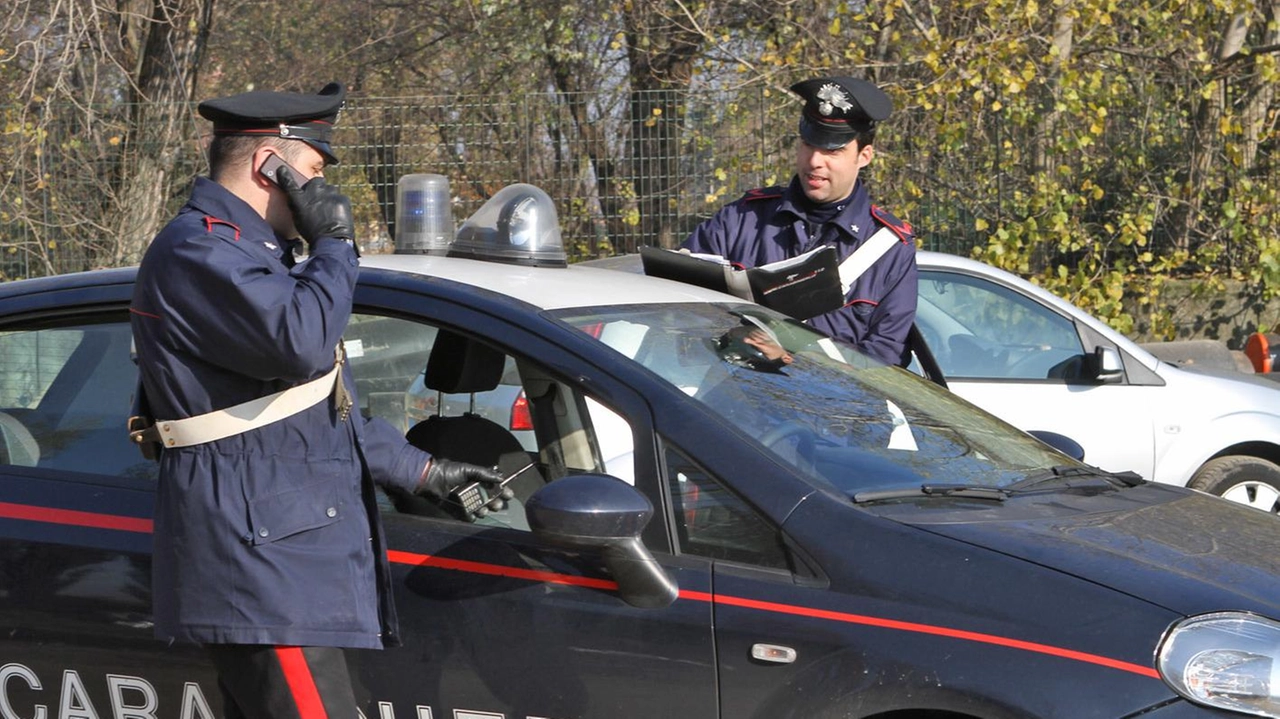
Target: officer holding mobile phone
(268, 548)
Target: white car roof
(550, 288)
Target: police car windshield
(837, 416)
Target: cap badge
(833, 98)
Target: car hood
(1176, 548)
(1246, 382)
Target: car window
(713, 522)
(383, 352)
(459, 397)
(980, 329)
(64, 395)
(838, 417)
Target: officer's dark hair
(865, 137)
(230, 150)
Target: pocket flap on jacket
(277, 516)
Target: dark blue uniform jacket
(768, 225)
(271, 536)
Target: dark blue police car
(725, 514)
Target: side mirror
(596, 511)
(1060, 442)
(1104, 365)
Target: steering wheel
(793, 428)
(941, 352)
(973, 357)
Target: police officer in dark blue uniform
(827, 204)
(267, 543)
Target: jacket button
(331, 512)
(263, 532)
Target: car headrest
(460, 365)
(19, 444)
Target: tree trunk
(655, 163)
(381, 157)
(609, 223)
(1047, 127)
(1204, 136)
(175, 38)
(1063, 39)
(661, 48)
(1260, 94)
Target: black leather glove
(444, 475)
(318, 209)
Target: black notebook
(802, 287)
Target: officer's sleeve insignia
(898, 227)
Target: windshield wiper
(967, 491)
(1071, 476)
(1060, 477)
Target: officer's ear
(865, 153)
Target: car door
(497, 622)
(760, 585)
(75, 522)
(1030, 365)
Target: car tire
(1248, 480)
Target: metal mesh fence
(643, 170)
(620, 179)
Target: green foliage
(1087, 114)
(1095, 146)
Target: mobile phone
(273, 166)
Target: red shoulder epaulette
(212, 222)
(898, 227)
(762, 193)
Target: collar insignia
(271, 246)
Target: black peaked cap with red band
(836, 109)
(293, 116)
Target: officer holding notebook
(827, 204)
(268, 548)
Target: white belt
(249, 415)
